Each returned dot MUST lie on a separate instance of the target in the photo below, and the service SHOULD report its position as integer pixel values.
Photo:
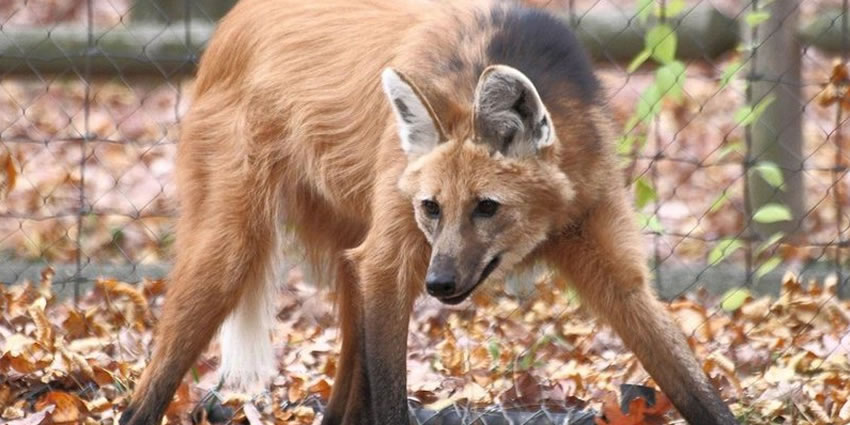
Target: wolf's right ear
(418, 127)
(508, 114)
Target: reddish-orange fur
(290, 129)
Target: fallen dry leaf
(9, 175)
(35, 418)
(68, 408)
(252, 414)
(139, 312)
(637, 413)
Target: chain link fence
(733, 117)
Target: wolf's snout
(440, 281)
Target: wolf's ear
(418, 126)
(508, 113)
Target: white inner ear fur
(499, 88)
(418, 131)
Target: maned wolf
(406, 146)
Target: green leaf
(723, 249)
(650, 222)
(762, 105)
(767, 267)
(736, 146)
(729, 73)
(526, 361)
(770, 172)
(649, 104)
(631, 124)
(670, 79)
(661, 41)
(644, 8)
(625, 143)
(641, 57)
(746, 47)
(672, 8)
(748, 114)
(495, 350)
(772, 213)
(630, 137)
(753, 19)
(769, 243)
(719, 202)
(734, 298)
(742, 115)
(644, 192)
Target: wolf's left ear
(508, 113)
(418, 127)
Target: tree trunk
(777, 134)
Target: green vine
(666, 86)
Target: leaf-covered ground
(780, 361)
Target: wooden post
(168, 11)
(702, 33)
(148, 46)
(825, 32)
(777, 134)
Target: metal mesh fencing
(732, 116)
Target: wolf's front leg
(387, 315)
(390, 275)
(605, 263)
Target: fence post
(166, 11)
(777, 133)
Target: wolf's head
(485, 200)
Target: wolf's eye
(486, 208)
(432, 209)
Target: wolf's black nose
(440, 281)
(441, 277)
(438, 286)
